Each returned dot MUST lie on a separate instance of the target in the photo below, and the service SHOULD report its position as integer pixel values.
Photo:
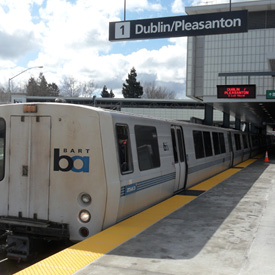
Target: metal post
(208, 114)
(226, 120)
(124, 10)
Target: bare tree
(157, 92)
(70, 87)
(4, 95)
(88, 88)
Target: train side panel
(151, 176)
(237, 146)
(207, 152)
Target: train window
(238, 142)
(216, 143)
(219, 144)
(124, 148)
(207, 144)
(2, 147)
(180, 141)
(222, 143)
(245, 141)
(255, 141)
(202, 143)
(198, 143)
(175, 151)
(147, 147)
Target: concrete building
(235, 59)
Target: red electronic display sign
(236, 91)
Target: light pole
(18, 75)
(124, 10)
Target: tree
(4, 95)
(32, 88)
(132, 89)
(105, 92)
(112, 95)
(70, 86)
(88, 88)
(153, 91)
(53, 89)
(43, 85)
(40, 87)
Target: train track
(8, 266)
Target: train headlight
(84, 232)
(84, 216)
(86, 198)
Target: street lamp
(18, 75)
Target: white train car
(70, 171)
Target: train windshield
(124, 148)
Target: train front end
(52, 183)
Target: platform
(230, 229)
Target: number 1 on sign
(122, 30)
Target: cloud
(143, 5)
(178, 7)
(71, 38)
(15, 45)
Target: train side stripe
(149, 183)
(199, 167)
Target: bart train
(70, 171)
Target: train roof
(112, 113)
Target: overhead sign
(270, 94)
(236, 91)
(188, 25)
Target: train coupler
(7, 233)
(18, 247)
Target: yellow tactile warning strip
(81, 254)
(211, 182)
(245, 163)
(258, 156)
(70, 260)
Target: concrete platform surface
(229, 229)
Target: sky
(69, 38)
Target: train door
(179, 157)
(29, 167)
(230, 149)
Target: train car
(70, 171)
(207, 152)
